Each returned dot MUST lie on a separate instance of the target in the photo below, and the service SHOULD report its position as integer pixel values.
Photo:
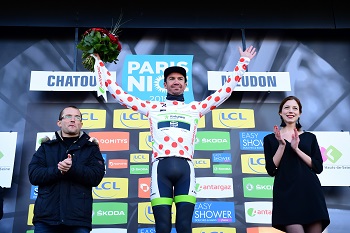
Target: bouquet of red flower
(101, 41)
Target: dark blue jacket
(66, 198)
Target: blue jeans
(40, 227)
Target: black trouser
(173, 180)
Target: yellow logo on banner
(145, 213)
(233, 118)
(145, 141)
(253, 164)
(139, 158)
(93, 118)
(201, 122)
(201, 163)
(111, 188)
(30, 215)
(129, 119)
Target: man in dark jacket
(65, 169)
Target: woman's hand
(295, 139)
(278, 136)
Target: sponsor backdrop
(234, 190)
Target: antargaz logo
(214, 187)
(258, 212)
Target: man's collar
(175, 97)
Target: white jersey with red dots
(173, 124)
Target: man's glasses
(70, 117)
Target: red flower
(101, 41)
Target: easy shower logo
(221, 157)
(33, 192)
(214, 212)
(252, 140)
(152, 230)
(143, 75)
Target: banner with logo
(335, 149)
(7, 157)
(64, 81)
(143, 75)
(252, 81)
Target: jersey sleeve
(218, 97)
(118, 94)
